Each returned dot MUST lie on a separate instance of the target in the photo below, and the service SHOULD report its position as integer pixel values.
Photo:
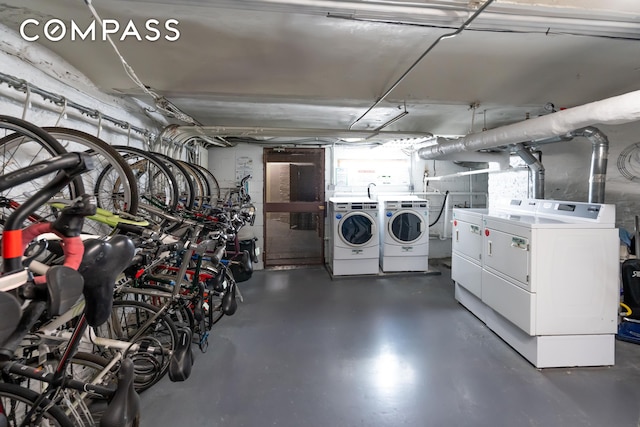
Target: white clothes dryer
(404, 234)
(355, 239)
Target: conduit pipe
(616, 110)
(536, 167)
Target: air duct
(536, 167)
(599, 155)
(616, 110)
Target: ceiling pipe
(535, 165)
(599, 156)
(616, 110)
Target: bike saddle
(229, 303)
(216, 282)
(103, 261)
(182, 359)
(10, 309)
(242, 267)
(124, 407)
(64, 287)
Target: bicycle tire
(200, 185)
(92, 365)
(127, 179)
(148, 370)
(214, 187)
(152, 174)
(185, 183)
(29, 144)
(21, 396)
(179, 313)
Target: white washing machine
(404, 234)
(355, 240)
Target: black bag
(631, 286)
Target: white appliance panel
(511, 301)
(573, 297)
(508, 254)
(467, 239)
(466, 273)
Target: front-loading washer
(355, 240)
(404, 234)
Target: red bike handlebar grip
(71, 246)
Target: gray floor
(304, 350)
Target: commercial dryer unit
(548, 283)
(404, 234)
(355, 241)
(466, 253)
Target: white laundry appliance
(404, 234)
(466, 251)
(548, 279)
(355, 240)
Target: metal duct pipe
(536, 167)
(599, 155)
(616, 110)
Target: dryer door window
(357, 229)
(406, 227)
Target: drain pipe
(536, 167)
(599, 155)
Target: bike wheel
(116, 190)
(184, 180)
(214, 187)
(157, 340)
(16, 402)
(88, 367)
(156, 184)
(200, 185)
(29, 144)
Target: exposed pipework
(536, 167)
(616, 110)
(599, 156)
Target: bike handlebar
(70, 164)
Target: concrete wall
(40, 67)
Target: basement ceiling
(323, 63)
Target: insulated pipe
(536, 167)
(616, 110)
(599, 155)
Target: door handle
(490, 244)
(457, 236)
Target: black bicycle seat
(64, 286)
(124, 408)
(182, 359)
(103, 261)
(10, 309)
(229, 303)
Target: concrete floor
(304, 350)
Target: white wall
(229, 165)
